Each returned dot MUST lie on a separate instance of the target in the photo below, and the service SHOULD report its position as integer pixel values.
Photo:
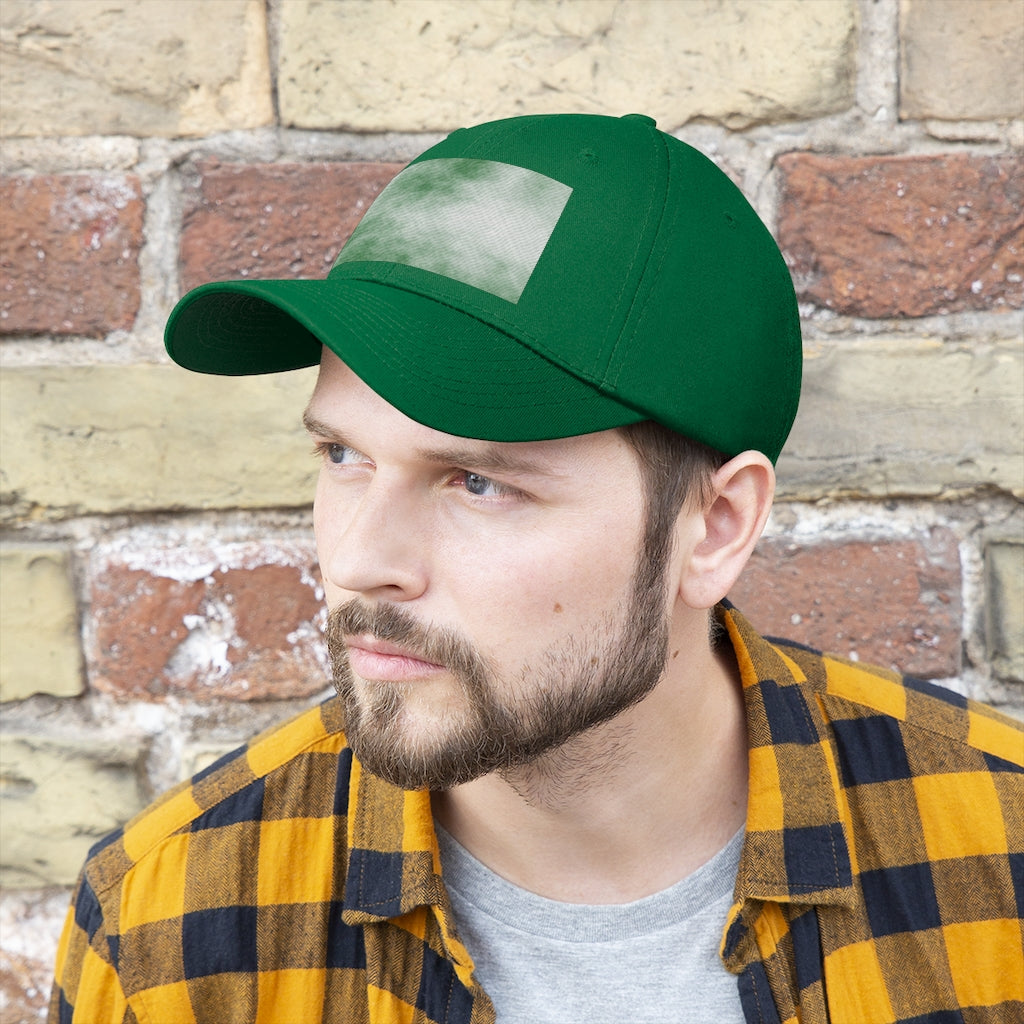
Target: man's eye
(477, 484)
(338, 454)
(484, 487)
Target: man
(563, 779)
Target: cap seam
(607, 360)
(610, 366)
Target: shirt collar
(796, 848)
(394, 864)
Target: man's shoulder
(862, 701)
(295, 770)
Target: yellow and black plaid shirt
(881, 878)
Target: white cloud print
(479, 222)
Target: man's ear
(717, 540)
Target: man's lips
(375, 659)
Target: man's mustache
(392, 624)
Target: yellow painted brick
(1004, 606)
(437, 64)
(41, 651)
(895, 416)
(134, 67)
(961, 61)
(132, 438)
(57, 798)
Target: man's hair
(676, 471)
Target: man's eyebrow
(489, 456)
(318, 427)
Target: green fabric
(540, 277)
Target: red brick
(895, 603)
(249, 630)
(69, 250)
(273, 220)
(904, 236)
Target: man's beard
(499, 724)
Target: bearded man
(563, 778)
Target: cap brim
(438, 365)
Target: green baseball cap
(539, 277)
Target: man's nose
(376, 545)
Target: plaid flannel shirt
(881, 878)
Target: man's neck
(628, 808)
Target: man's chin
(418, 774)
(409, 751)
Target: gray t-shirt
(654, 961)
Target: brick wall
(160, 595)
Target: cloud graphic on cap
(479, 222)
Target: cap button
(640, 117)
